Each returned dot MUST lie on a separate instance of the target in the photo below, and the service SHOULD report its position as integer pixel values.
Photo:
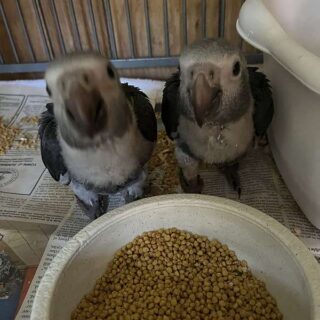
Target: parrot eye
(236, 69)
(48, 91)
(211, 74)
(110, 71)
(191, 74)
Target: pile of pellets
(173, 274)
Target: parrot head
(89, 102)
(214, 81)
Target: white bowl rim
(306, 261)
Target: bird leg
(94, 205)
(232, 175)
(135, 189)
(190, 180)
(260, 141)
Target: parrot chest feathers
(217, 143)
(112, 163)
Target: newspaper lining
(29, 194)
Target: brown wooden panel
(33, 26)
(175, 26)
(138, 25)
(194, 20)
(120, 28)
(51, 28)
(148, 73)
(65, 24)
(247, 48)
(5, 48)
(212, 19)
(21, 76)
(231, 16)
(101, 25)
(83, 22)
(83, 37)
(92, 29)
(156, 24)
(15, 25)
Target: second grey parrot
(212, 108)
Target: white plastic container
(274, 254)
(288, 33)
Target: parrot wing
(50, 147)
(170, 105)
(262, 95)
(146, 119)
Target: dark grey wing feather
(146, 119)
(50, 147)
(262, 95)
(170, 105)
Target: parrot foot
(232, 175)
(191, 186)
(93, 204)
(95, 209)
(135, 190)
(260, 141)
(103, 204)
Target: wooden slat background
(53, 30)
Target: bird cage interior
(154, 161)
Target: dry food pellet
(173, 274)
(7, 136)
(33, 120)
(163, 156)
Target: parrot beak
(204, 98)
(86, 108)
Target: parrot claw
(239, 192)
(192, 186)
(103, 204)
(236, 184)
(97, 208)
(261, 141)
(231, 173)
(130, 198)
(135, 190)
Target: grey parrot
(212, 108)
(97, 134)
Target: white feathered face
(214, 80)
(89, 102)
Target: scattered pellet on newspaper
(10, 135)
(163, 159)
(297, 231)
(7, 136)
(28, 141)
(34, 120)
